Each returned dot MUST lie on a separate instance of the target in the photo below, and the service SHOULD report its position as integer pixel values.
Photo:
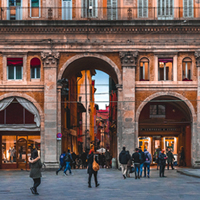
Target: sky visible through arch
(102, 85)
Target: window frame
(165, 70)
(183, 61)
(161, 8)
(36, 73)
(111, 8)
(14, 74)
(143, 60)
(157, 115)
(187, 9)
(35, 7)
(85, 10)
(142, 8)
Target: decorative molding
(128, 59)
(119, 87)
(50, 59)
(197, 56)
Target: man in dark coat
(141, 161)
(74, 156)
(170, 159)
(90, 170)
(162, 162)
(107, 158)
(137, 158)
(62, 162)
(123, 159)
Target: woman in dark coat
(90, 170)
(35, 172)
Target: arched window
(35, 68)
(187, 69)
(144, 69)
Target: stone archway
(90, 55)
(190, 108)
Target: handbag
(95, 165)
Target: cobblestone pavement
(15, 185)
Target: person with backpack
(62, 162)
(68, 159)
(91, 157)
(123, 159)
(142, 160)
(137, 158)
(147, 162)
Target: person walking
(107, 158)
(62, 162)
(91, 156)
(157, 155)
(83, 158)
(170, 159)
(129, 164)
(162, 162)
(35, 173)
(123, 159)
(137, 158)
(141, 161)
(68, 159)
(74, 156)
(147, 162)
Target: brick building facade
(152, 55)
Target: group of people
(141, 160)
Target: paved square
(15, 185)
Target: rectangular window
(14, 68)
(157, 111)
(112, 6)
(188, 8)
(35, 72)
(14, 2)
(66, 9)
(165, 9)
(35, 8)
(89, 8)
(165, 69)
(142, 8)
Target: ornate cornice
(128, 59)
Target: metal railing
(99, 13)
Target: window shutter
(140, 8)
(114, 8)
(84, 9)
(145, 8)
(109, 9)
(185, 8)
(159, 7)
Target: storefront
(19, 132)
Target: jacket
(146, 153)
(90, 159)
(123, 157)
(170, 157)
(142, 156)
(35, 169)
(136, 158)
(161, 159)
(62, 156)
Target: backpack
(67, 158)
(146, 157)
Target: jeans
(37, 182)
(124, 169)
(68, 167)
(61, 166)
(141, 167)
(162, 170)
(146, 165)
(137, 169)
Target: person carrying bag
(92, 168)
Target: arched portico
(185, 106)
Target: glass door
(22, 152)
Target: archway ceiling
(89, 63)
(181, 105)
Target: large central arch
(101, 62)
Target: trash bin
(114, 164)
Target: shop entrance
(165, 123)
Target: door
(67, 9)
(22, 152)
(156, 148)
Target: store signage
(159, 129)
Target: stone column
(128, 137)
(50, 108)
(196, 125)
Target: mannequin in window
(12, 153)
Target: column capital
(128, 58)
(50, 59)
(197, 56)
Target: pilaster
(50, 61)
(127, 107)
